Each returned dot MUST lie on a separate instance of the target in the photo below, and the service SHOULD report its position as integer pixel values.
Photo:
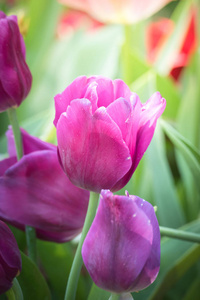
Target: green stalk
(16, 131)
(180, 234)
(15, 292)
(30, 232)
(31, 243)
(78, 261)
(126, 55)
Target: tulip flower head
(122, 248)
(36, 192)
(117, 11)
(103, 131)
(15, 76)
(10, 258)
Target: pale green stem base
(15, 293)
(114, 297)
(123, 296)
(180, 234)
(30, 232)
(78, 261)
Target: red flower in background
(72, 20)
(158, 34)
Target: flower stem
(16, 131)
(31, 243)
(15, 292)
(78, 261)
(126, 55)
(180, 234)
(30, 232)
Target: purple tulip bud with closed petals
(103, 131)
(122, 248)
(15, 76)
(36, 192)
(10, 258)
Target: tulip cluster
(103, 131)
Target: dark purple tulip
(36, 192)
(103, 131)
(10, 258)
(15, 76)
(122, 248)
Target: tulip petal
(121, 89)
(152, 266)
(118, 243)
(73, 91)
(151, 111)
(48, 201)
(30, 143)
(127, 116)
(10, 259)
(6, 163)
(98, 157)
(105, 90)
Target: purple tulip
(10, 258)
(122, 248)
(103, 131)
(15, 76)
(36, 192)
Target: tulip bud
(103, 130)
(122, 248)
(10, 259)
(15, 76)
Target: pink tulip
(10, 258)
(15, 76)
(118, 11)
(122, 248)
(103, 131)
(36, 192)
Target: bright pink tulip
(122, 248)
(36, 192)
(10, 258)
(158, 34)
(103, 131)
(117, 11)
(15, 76)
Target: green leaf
(189, 152)
(56, 260)
(169, 211)
(32, 282)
